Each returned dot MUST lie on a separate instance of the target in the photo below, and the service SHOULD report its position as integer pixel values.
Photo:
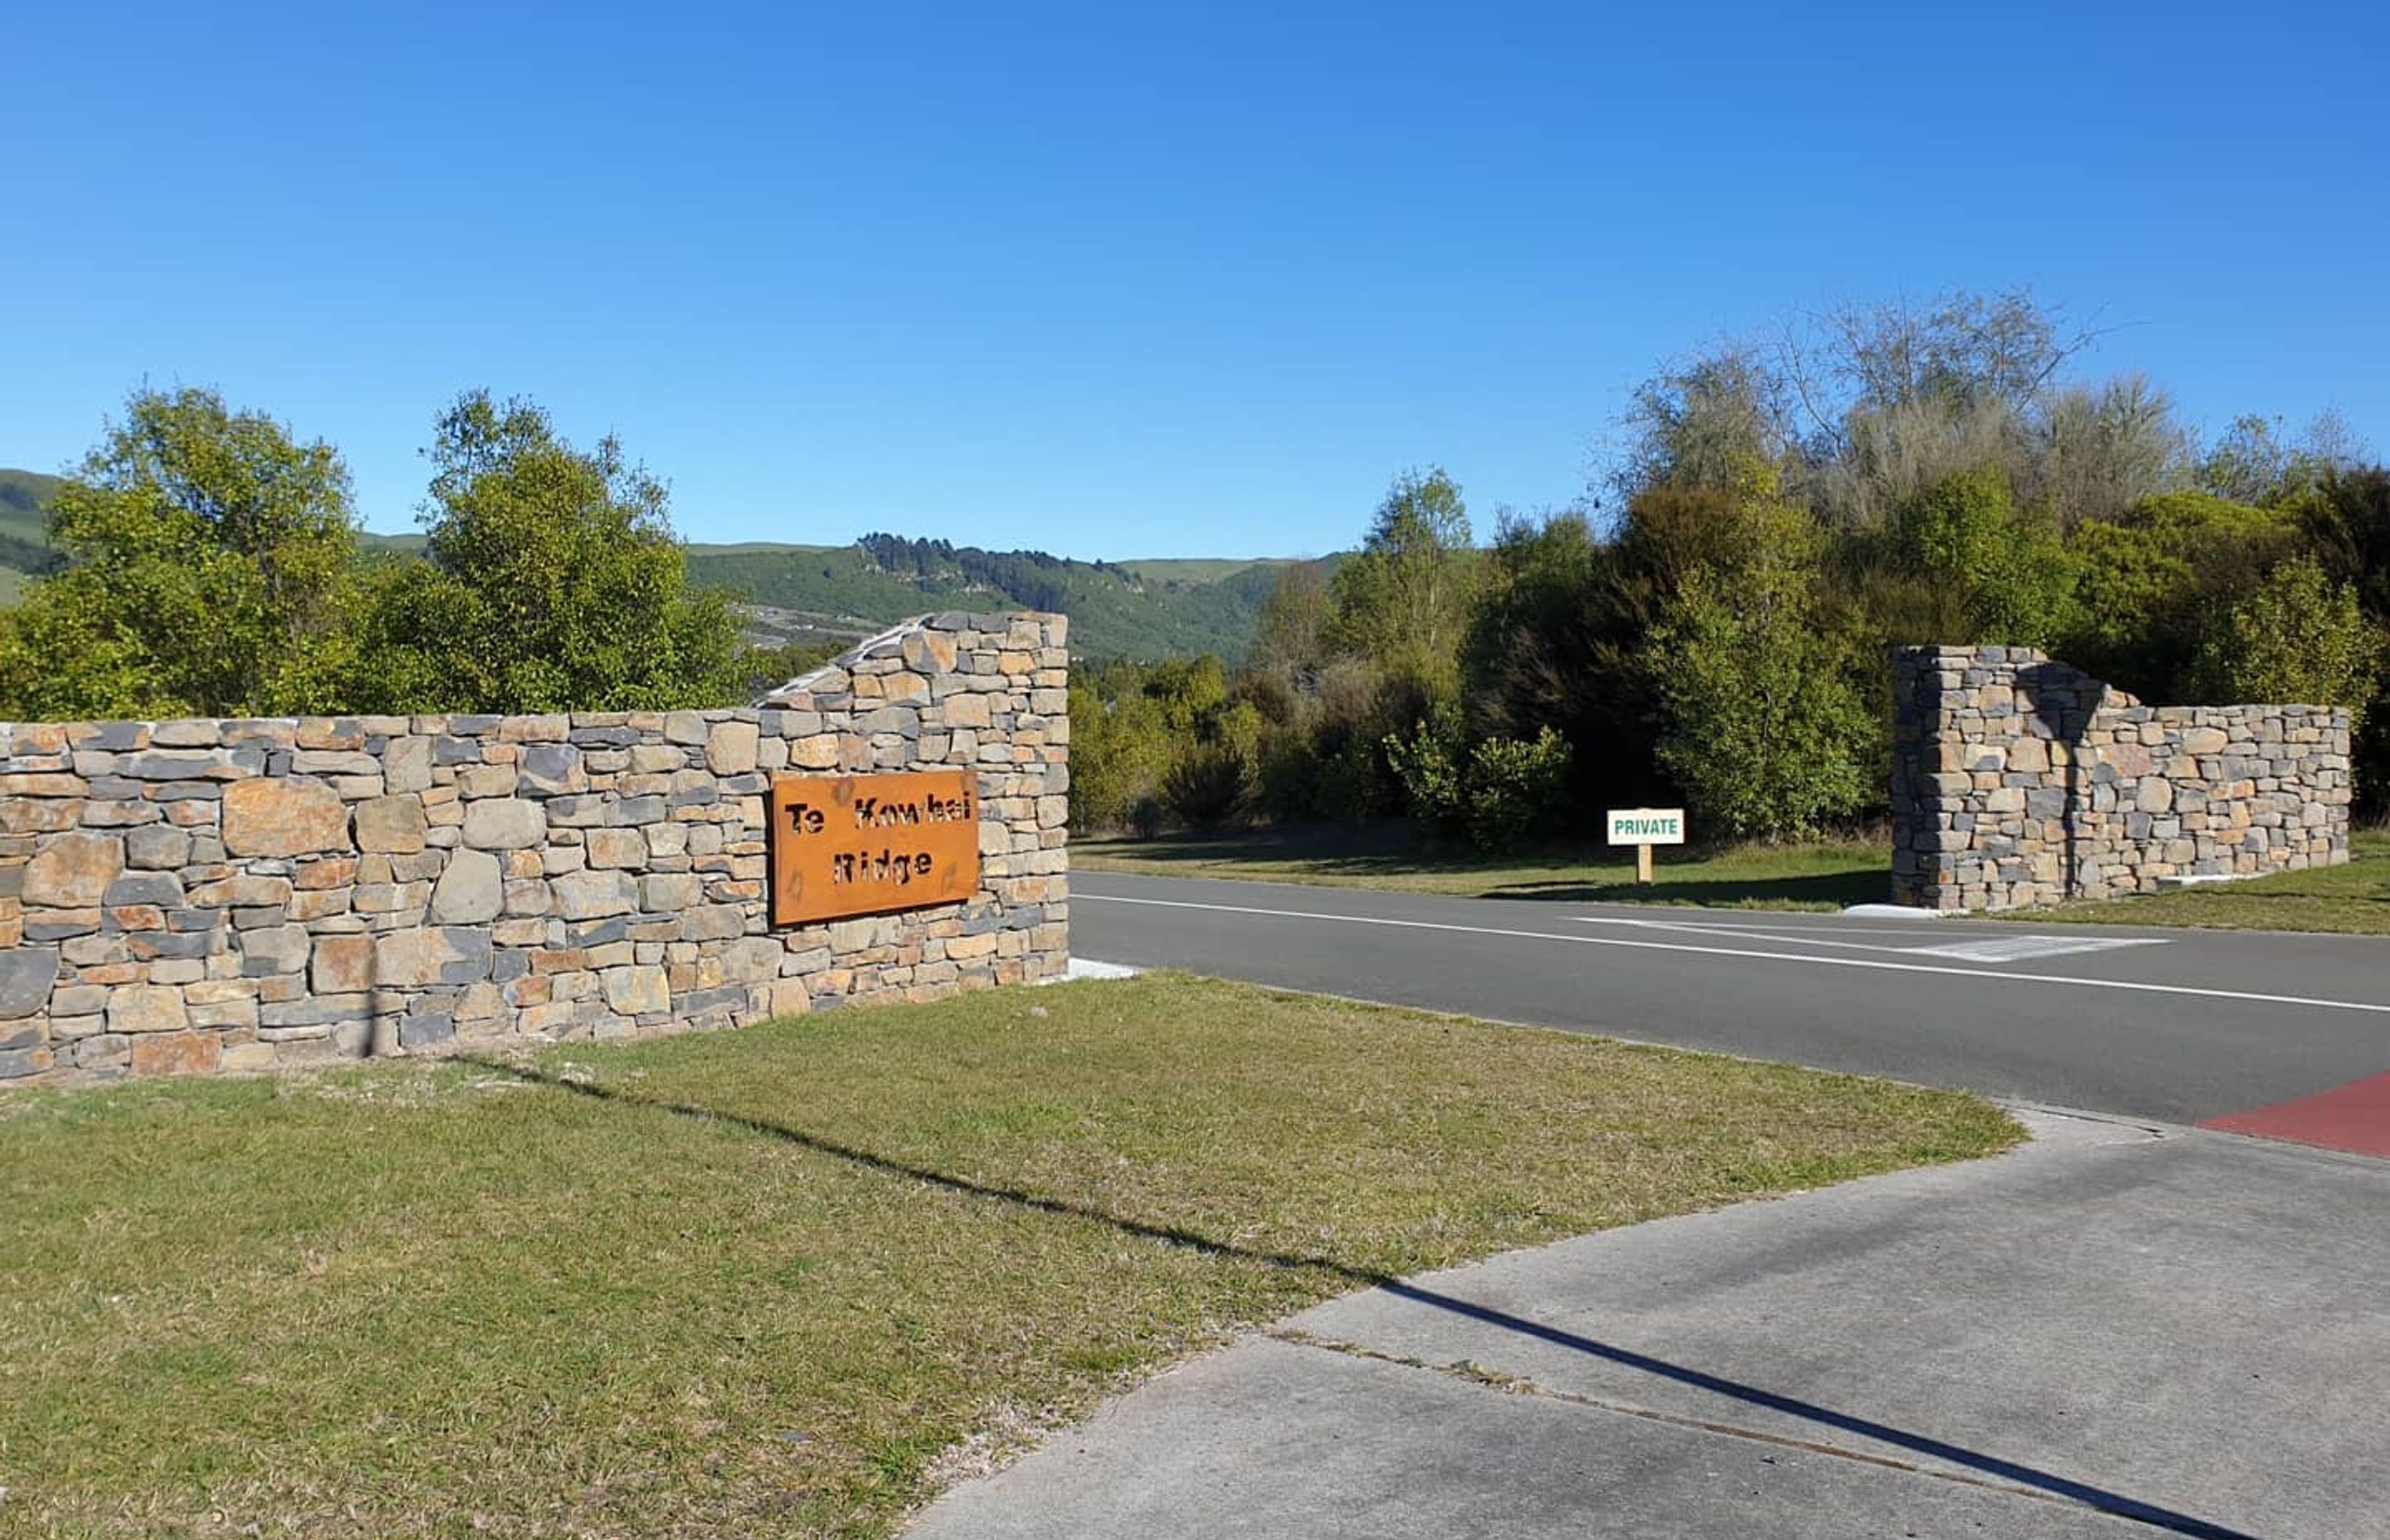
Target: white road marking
(2057, 979)
(2010, 947)
(2019, 948)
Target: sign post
(1643, 828)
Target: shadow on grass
(1823, 888)
(1991, 1470)
(1390, 855)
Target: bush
(1514, 786)
(1205, 786)
(1428, 766)
(1494, 794)
(2298, 638)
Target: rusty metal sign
(844, 845)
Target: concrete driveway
(2118, 1330)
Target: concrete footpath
(2113, 1330)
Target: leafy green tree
(2005, 569)
(2153, 582)
(1402, 601)
(1762, 727)
(551, 582)
(2297, 639)
(1119, 747)
(213, 560)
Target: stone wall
(185, 897)
(2017, 781)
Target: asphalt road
(2183, 1026)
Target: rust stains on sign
(844, 845)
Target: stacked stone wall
(188, 897)
(2018, 781)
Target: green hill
(1117, 611)
(1143, 610)
(24, 530)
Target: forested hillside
(1115, 611)
(24, 540)
(1147, 611)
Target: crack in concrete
(1513, 1384)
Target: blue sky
(1132, 280)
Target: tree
(551, 582)
(2154, 582)
(2006, 570)
(1402, 600)
(1287, 635)
(212, 565)
(1762, 727)
(2298, 638)
(2253, 462)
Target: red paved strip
(2355, 1117)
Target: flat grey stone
(27, 974)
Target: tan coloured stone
(817, 752)
(145, 1009)
(392, 826)
(637, 990)
(343, 964)
(617, 847)
(505, 823)
(180, 1053)
(730, 748)
(73, 871)
(283, 815)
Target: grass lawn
(786, 1281)
(1753, 877)
(2354, 899)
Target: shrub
(1428, 766)
(1513, 787)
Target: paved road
(2111, 1332)
(2182, 1026)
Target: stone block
(73, 871)
(637, 991)
(471, 891)
(713, 922)
(730, 748)
(617, 848)
(505, 823)
(343, 964)
(664, 894)
(27, 974)
(393, 826)
(274, 949)
(552, 768)
(592, 894)
(431, 955)
(283, 816)
(179, 1053)
(407, 765)
(146, 1009)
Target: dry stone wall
(188, 897)
(2017, 780)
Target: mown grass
(2351, 899)
(1824, 876)
(785, 1281)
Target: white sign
(1647, 826)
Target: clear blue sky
(1126, 280)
